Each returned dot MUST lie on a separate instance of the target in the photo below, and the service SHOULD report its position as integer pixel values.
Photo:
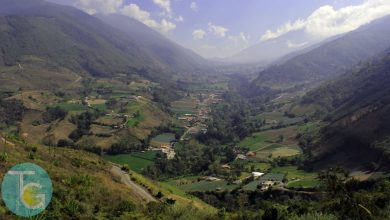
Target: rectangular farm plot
(136, 161)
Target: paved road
(125, 178)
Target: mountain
(332, 58)
(273, 49)
(358, 103)
(165, 50)
(62, 36)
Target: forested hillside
(66, 37)
(358, 105)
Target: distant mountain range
(331, 58)
(271, 50)
(67, 37)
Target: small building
(271, 122)
(251, 154)
(226, 166)
(266, 185)
(257, 174)
(241, 157)
(237, 182)
(211, 178)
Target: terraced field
(163, 139)
(278, 150)
(204, 186)
(187, 105)
(298, 178)
(135, 161)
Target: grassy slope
(83, 185)
(358, 106)
(77, 178)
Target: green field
(298, 178)
(258, 166)
(163, 139)
(135, 121)
(254, 142)
(185, 106)
(278, 150)
(305, 183)
(71, 106)
(136, 161)
(204, 186)
(279, 117)
(101, 107)
(192, 183)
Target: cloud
(179, 19)
(291, 44)
(166, 26)
(134, 11)
(99, 6)
(165, 5)
(299, 24)
(240, 41)
(218, 30)
(199, 34)
(327, 21)
(194, 6)
(242, 38)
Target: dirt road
(125, 178)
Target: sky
(221, 28)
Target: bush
(65, 143)
(53, 114)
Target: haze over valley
(173, 109)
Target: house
(251, 154)
(271, 122)
(226, 166)
(266, 185)
(257, 174)
(237, 182)
(241, 157)
(169, 152)
(211, 179)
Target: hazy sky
(219, 28)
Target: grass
(254, 142)
(293, 172)
(259, 166)
(166, 137)
(308, 127)
(298, 178)
(251, 186)
(71, 106)
(204, 186)
(163, 139)
(279, 117)
(278, 150)
(101, 107)
(305, 183)
(135, 121)
(136, 161)
(185, 106)
(192, 183)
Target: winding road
(125, 178)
